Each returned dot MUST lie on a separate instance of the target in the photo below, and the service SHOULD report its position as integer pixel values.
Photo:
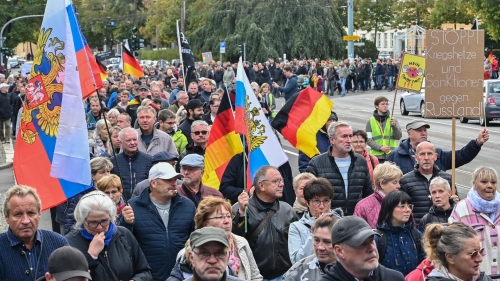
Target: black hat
(138, 82)
(68, 262)
(164, 156)
(195, 103)
(352, 231)
(144, 87)
(333, 116)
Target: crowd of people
(385, 213)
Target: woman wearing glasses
(481, 210)
(400, 243)
(111, 251)
(318, 195)
(456, 252)
(216, 212)
(112, 186)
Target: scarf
(298, 208)
(107, 236)
(484, 206)
(234, 262)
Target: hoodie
(422, 270)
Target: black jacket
(336, 272)
(360, 185)
(5, 106)
(270, 247)
(436, 216)
(123, 254)
(185, 128)
(218, 75)
(132, 170)
(417, 187)
(278, 75)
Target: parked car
(491, 96)
(12, 63)
(413, 102)
(384, 55)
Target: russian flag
(52, 153)
(263, 145)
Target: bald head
(426, 157)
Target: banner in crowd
(186, 55)
(102, 70)
(300, 119)
(411, 73)
(52, 152)
(223, 144)
(263, 145)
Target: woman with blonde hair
(455, 251)
(112, 186)
(113, 142)
(217, 212)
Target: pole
(350, 29)
(245, 178)
(183, 15)
(5, 25)
(453, 137)
(244, 52)
(180, 55)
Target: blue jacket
(173, 95)
(160, 246)
(323, 144)
(13, 259)
(401, 247)
(291, 87)
(112, 102)
(401, 156)
(132, 170)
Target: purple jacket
(369, 208)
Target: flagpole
(245, 178)
(180, 55)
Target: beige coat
(161, 142)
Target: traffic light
(240, 49)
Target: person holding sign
(383, 130)
(404, 155)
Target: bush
(163, 54)
(369, 50)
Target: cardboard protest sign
(207, 57)
(411, 73)
(454, 73)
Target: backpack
(382, 243)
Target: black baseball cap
(164, 156)
(195, 103)
(68, 262)
(352, 231)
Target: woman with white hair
(99, 141)
(112, 252)
(112, 116)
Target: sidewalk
(6, 155)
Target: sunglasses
(197, 133)
(474, 254)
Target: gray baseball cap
(351, 230)
(415, 124)
(208, 234)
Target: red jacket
(369, 208)
(422, 270)
(487, 74)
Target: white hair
(113, 111)
(125, 130)
(99, 124)
(96, 202)
(439, 181)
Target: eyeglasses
(409, 206)
(197, 133)
(95, 224)
(276, 181)
(317, 202)
(474, 254)
(205, 255)
(228, 216)
(112, 192)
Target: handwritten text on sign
(454, 73)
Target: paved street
(356, 109)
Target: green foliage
(305, 29)
(488, 12)
(163, 54)
(369, 50)
(412, 12)
(373, 15)
(451, 11)
(23, 30)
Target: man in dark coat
(347, 171)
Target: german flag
(223, 144)
(490, 56)
(130, 64)
(102, 70)
(301, 118)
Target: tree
(488, 12)
(373, 15)
(451, 11)
(305, 29)
(412, 12)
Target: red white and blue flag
(52, 153)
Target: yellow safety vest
(383, 138)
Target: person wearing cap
(2, 75)
(167, 124)
(322, 140)
(111, 251)
(404, 155)
(25, 249)
(416, 182)
(353, 242)
(162, 221)
(195, 111)
(133, 164)
(152, 140)
(67, 263)
(347, 171)
(162, 156)
(209, 255)
(136, 102)
(265, 208)
(313, 266)
(383, 130)
(5, 113)
(192, 168)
